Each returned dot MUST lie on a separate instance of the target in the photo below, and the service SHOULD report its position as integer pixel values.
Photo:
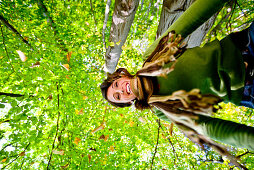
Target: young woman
(183, 92)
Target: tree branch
(46, 13)
(218, 25)
(245, 153)
(6, 48)
(175, 137)
(8, 25)
(173, 148)
(155, 150)
(52, 24)
(6, 145)
(57, 126)
(7, 53)
(24, 156)
(11, 94)
(105, 22)
(15, 158)
(216, 161)
(95, 22)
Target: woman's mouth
(128, 88)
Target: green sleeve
(228, 132)
(161, 115)
(199, 12)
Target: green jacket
(217, 68)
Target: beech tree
(123, 16)
(171, 10)
(124, 12)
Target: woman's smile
(120, 91)
(128, 89)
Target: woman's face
(120, 91)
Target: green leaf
(2, 106)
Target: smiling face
(120, 91)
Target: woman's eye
(116, 84)
(118, 97)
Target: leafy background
(60, 120)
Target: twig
(175, 137)
(217, 27)
(95, 22)
(11, 94)
(233, 7)
(216, 161)
(245, 153)
(22, 163)
(6, 146)
(105, 22)
(173, 148)
(46, 13)
(7, 53)
(52, 24)
(8, 25)
(16, 157)
(239, 6)
(155, 150)
(6, 48)
(57, 126)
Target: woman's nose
(120, 91)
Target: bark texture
(171, 10)
(124, 12)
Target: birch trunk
(123, 16)
(171, 10)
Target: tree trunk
(124, 12)
(171, 10)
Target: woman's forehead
(110, 93)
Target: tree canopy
(52, 114)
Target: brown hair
(121, 72)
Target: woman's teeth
(128, 90)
